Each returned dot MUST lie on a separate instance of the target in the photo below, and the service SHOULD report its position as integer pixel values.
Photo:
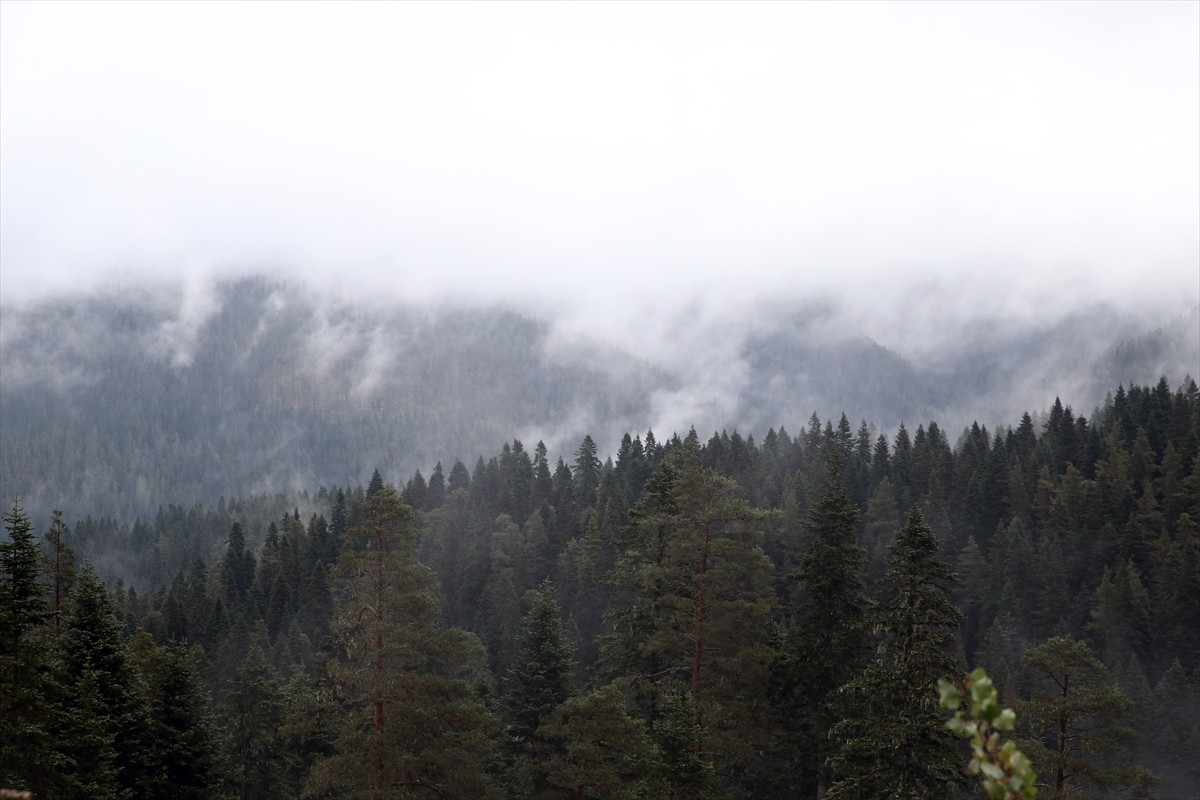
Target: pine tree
(894, 742)
(606, 752)
(695, 609)
(413, 724)
(1075, 721)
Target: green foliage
(25, 682)
(412, 721)
(730, 678)
(606, 753)
(256, 755)
(828, 645)
(105, 697)
(538, 682)
(694, 606)
(892, 742)
(1004, 771)
(1077, 721)
(184, 749)
(540, 677)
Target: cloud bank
(924, 163)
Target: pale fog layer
(661, 179)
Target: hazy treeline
(146, 395)
(720, 618)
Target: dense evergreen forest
(116, 402)
(720, 618)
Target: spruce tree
(539, 680)
(252, 714)
(894, 742)
(104, 695)
(540, 676)
(184, 750)
(606, 752)
(828, 644)
(24, 661)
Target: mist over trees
(721, 617)
(145, 396)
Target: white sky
(602, 157)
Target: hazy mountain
(112, 402)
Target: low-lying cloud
(922, 163)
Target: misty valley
(599, 401)
(263, 545)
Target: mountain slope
(110, 403)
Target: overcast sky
(602, 157)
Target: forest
(692, 618)
(118, 402)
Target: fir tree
(97, 677)
(253, 713)
(539, 680)
(184, 750)
(24, 666)
(894, 742)
(828, 644)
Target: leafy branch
(1005, 771)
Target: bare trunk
(1059, 776)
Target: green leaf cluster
(1004, 771)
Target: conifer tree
(828, 644)
(184, 749)
(539, 680)
(103, 695)
(435, 495)
(586, 471)
(24, 667)
(606, 753)
(893, 741)
(237, 569)
(412, 724)
(375, 485)
(694, 609)
(540, 677)
(253, 714)
(1076, 722)
(60, 567)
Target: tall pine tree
(413, 724)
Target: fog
(650, 176)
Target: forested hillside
(122, 401)
(697, 617)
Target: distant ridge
(111, 401)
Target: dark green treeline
(723, 618)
